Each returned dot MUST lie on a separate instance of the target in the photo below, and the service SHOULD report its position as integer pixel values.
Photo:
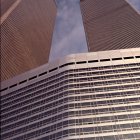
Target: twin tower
(27, 29)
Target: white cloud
(72, 43)
(69, 36)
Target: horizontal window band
(3, 89)
(41, 74)
(92, 61)
(67, 64)
(22, 82)
(104, 60)
(116, 59)
(81, 62)
(53, 69)
(32, 77)
(13, 85)
(131, 57)
(137, 56)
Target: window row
(103, 89)
(38, 89)
(134, 136)
(67, 100)
(66, 72)
(60, 109)
(29, 101)
(78, 131)
(71, 122)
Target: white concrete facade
(89, 96)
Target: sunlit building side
(26, 35)
(110, 25)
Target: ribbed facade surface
(81, 97)
(26, 35)
(110, 25)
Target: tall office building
(91, 96)
(110, 25)
(26, 35)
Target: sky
(135, 4)
(69, 36)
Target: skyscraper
(110, 25)
(26, 34)
(91, 96)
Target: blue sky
(69, 36)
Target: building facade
(110, 25)
(26, 35)
(90, 96)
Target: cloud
(69, 36)
(72, 43)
